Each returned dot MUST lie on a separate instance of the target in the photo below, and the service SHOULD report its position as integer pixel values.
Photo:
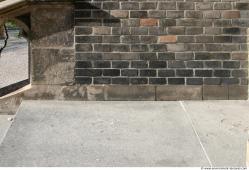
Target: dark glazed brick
(239, 73)
(176, 81)
(157, 64)
(139, 48)
(212, 81)
(185, 5)
(88, 39)
(148, 5)
(194, 64)
(83, 30)
(111, 72)
(83, 47)
(242, 6)
(88, 72)
(158, 47)
(212, 64)
(139, 64)
(130, 5)
(101, 80)
(222, 73)
(232, 30)
(157, 81)
(120, 81)
(203, 73)
(110, 5)
(102, 64)
(138, 14)
(82, 14)
(147, 73)
(194, 81)
(222, 39)
(129, 72)
(230, 81)
(83, 64)
(167, 5)
(176, 64)
(139, 81)
(167, 22)
(148, 56)
(166, 73)
(83, 80)
(184, 73)
(120, 64)
(166, 56)
(231, 64)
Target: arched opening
(14, 58)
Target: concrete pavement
(50, 133)
(14, 61)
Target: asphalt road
(14, 60)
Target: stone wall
(175, 45)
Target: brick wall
(159, 42)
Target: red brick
(167, 39)
(231, 14)
(240, 56)
(149, 22)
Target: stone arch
(22, 76)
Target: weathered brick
(120, 13)
(101, 30)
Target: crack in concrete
(195, 131)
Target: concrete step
(53, 133)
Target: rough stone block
(149, 22)
(133, 93)
(178, 92)
(215, 92)
(238, 92)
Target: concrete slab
(223, 129)
(101, 134)
(4, 125)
